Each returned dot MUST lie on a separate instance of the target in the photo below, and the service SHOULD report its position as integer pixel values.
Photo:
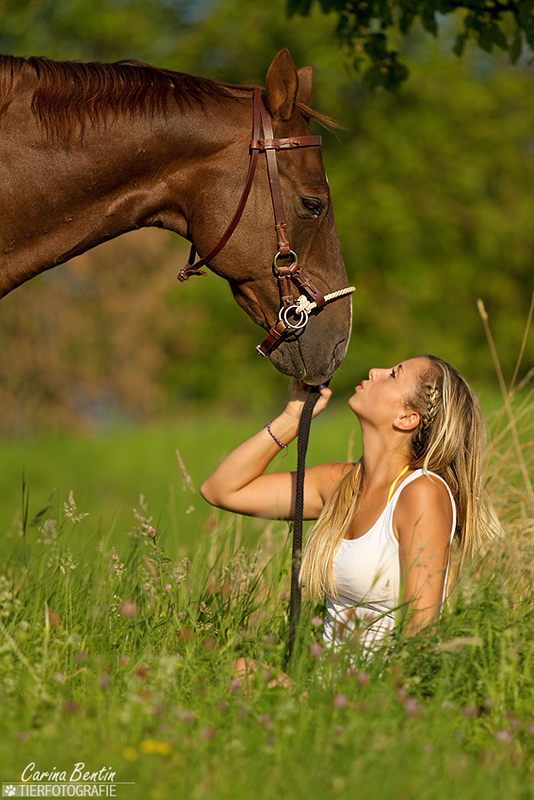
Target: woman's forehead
(413, 365)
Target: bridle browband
(286, 274)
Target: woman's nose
(373, 374)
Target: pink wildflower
(341, 701)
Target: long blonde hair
(451, 441)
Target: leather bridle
(291, 316)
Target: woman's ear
(407, 421)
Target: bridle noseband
(293, 314)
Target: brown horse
(90, 151)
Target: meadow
(121, 617)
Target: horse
(89, 151)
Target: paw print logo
(10, 791)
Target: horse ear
(304, 93)
(282, 84)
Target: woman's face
(380, 400)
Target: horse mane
(69, 94)
(327, 122)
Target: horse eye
(312, 204)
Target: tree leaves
(366, 26)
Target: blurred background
(432, 188)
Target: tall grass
(117, 654)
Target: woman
(385, 524)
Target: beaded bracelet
(276, 439)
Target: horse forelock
(70, 94)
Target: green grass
(108, 472)
(147, 690)
(123, 657)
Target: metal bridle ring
(302, 321)
(291, 254)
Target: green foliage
(435, 210)
(366, 29)
(100, 30)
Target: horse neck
(133, 172)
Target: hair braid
(430, 398)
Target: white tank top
(367, 576)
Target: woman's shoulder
(425, 492)
(425, 486)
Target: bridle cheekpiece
(293, 314)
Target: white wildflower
(116, 566)
(179, 573)
(49, 532)
(8, 602)
(206, 622)
(141, 514)
(67, 561)
(242, 566)
(70, 509)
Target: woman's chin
(353, 403)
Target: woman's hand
(297, 397)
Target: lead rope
(296, 555)
(304, 304)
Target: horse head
(247, 261)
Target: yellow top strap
(399, 476)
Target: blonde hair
(451, 441)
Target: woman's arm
(238, 484)
(423, 522)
